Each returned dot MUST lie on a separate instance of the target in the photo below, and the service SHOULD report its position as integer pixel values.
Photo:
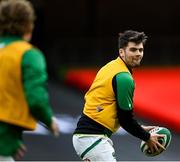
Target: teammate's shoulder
(34, 52)
(34, 56)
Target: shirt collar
(130, 69)
(5, 40)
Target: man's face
(132, 54)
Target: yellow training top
(13, 105)
(100, 102)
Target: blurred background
(77, 38)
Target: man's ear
(121, 52)
(27, 37)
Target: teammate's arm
(34, 78)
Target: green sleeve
(125, 90)
(34, 77)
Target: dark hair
(131, 36)
(16, 17)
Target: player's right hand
(54, 128)
(153, 142)
(20, 152)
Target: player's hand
(20, 152)
(153, 142)
(148, 128)
(54, 128)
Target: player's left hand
(154, 144)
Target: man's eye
(141, 50)
(133, 49)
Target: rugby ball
(164, 141)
